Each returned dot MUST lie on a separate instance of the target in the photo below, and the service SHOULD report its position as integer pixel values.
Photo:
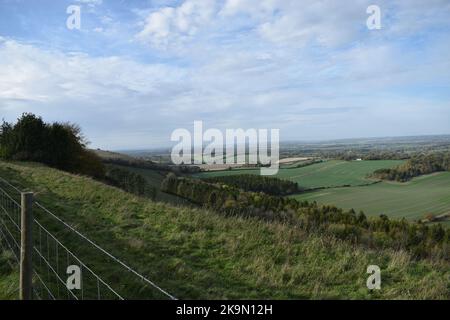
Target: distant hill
(110, 155)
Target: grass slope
(330, 173)
(412, 200)
(194, 253)
(154, 178)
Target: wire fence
(66, 263)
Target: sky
(137, 70)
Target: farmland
(345, 184)
(332, 173)
(412, 200)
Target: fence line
(10, 236)
(10, 185)
(143, 278)
(47, 264)
(99, 279)
(3, 237)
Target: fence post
(26, 246)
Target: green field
(332, 173)
(412, 200)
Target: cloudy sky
(137, 70)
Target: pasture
(412, 200)
(332, 173)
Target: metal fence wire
(66, 263)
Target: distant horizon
(294, 141)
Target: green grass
(412, 200)
(195, 253)
(330, 173)
(154, 178)
(9, 284)
(9, 277)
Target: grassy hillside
(412, 200)
(194, 253)
(154, 178)
(331, 173)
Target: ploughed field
(332, 173)
(412, 200)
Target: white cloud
(280, 21)
(292, 23)
(74, 76)
(174, 24)
(91, 3)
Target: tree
(59, 145)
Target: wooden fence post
(26, 246)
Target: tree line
(416, 166)
(147, 164)
(130, 181)
(257, 183)
(366, 155)
(59, 145)
(62, 146)
(374, 232)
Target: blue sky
(137, 70)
